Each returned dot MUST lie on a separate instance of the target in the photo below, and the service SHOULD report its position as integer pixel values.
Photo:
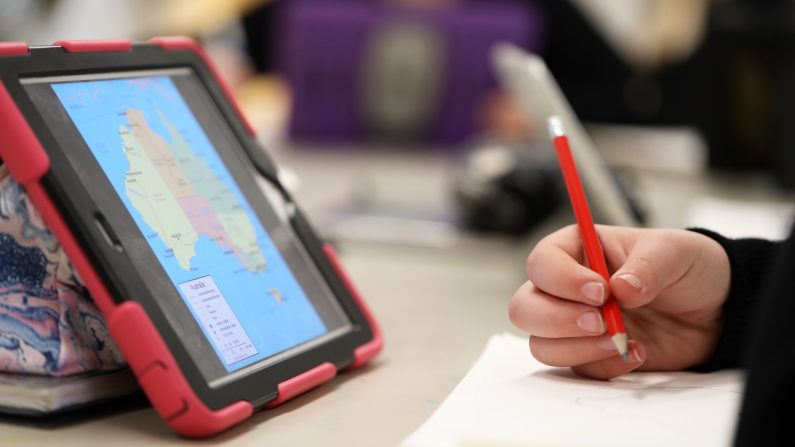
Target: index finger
(555, 266)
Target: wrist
(748, 261)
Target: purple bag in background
(48, 325)
(361, 69)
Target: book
(38, 395)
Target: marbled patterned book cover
(48, 324)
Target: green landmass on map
(180, 196)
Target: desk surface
(437, 307)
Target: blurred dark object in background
(374, 69)
(604, 87)
(509, 187)
(260, 28)
(748, 115)
(590, 72)
(503, 187)
(737, 88)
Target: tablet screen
(217, 253)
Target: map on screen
(196, 220)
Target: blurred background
(392, 131)
(390, 123)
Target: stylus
(593, 250)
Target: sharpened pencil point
(621, 341)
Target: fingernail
(633, 280)
(606, 343)
(594, 292)
(591, 322)
(634, 355)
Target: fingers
(652, 265)
(543, 315)
(593, 357)
(554, 267)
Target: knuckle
(643, 267)
(531, 263)
(535, 258)
(516, 307)
(514, 311)
(643, 263)
(543, 246)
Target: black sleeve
(766, 413)
(750, 261)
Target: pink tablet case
(143, 347)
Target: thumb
(651, 266)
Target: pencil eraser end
(555, 126)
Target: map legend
(219, 321)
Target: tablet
(527, 78)
(220, 295)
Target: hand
(670, 285)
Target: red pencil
(593, 250)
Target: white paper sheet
(510, 399)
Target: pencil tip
(555, 126)
(621, 342)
